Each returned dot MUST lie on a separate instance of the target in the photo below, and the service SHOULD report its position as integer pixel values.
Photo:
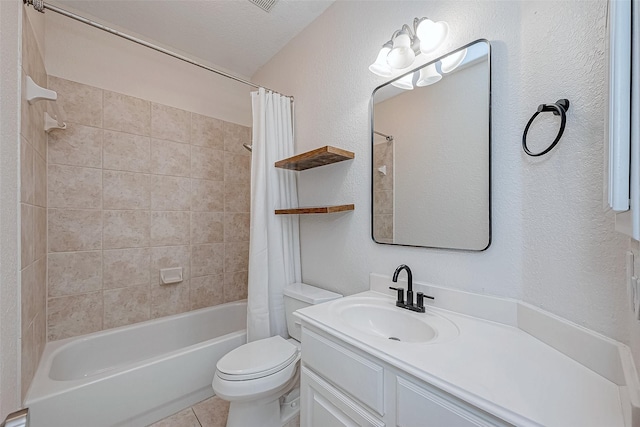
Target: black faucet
(400, 302)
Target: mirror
(431, 154)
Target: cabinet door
(322, 405)
(421, 407)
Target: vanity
(470, 360)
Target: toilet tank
(301, 295)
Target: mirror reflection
(431, 154)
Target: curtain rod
(40, 6)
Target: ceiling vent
(265, 5)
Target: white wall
(78, 52)
(10, 30)
(552, 244)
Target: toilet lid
(257, 359)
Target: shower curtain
(274, 248)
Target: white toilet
(260, 377)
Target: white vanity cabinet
(344, 386)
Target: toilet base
(250, 414)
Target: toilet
(261, 378)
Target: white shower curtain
(274, 249)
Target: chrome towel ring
(559, 109)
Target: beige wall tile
(170, 158)
(38, 135)
(237, 168)
(236, 257)
(126, 306)
(40, 335)
(31, 56)
(207, 163)
(212, 412)
(74, 187)
(234, 136)
(235, 286)
(207, 227)
(81, 102)
(167, 257)
(26, 127)
(28, 355)
(74, 315)
(169, 228)
(39, 232)
(237, 197)
(126, 190)
(383, 227)
(77, 145)
(40, 170)
(126, 229)
(28, 292)
(206, 291)
(74, 230)
(169, 299)
(184, 418)
(207, 259)
(236, 227)
(27, 236)
(126, 152)
(207, 132)
(27, 173)
(383, 202)
(72, 273)
(207, 196)
(40, 294)
(170, 123)
(170, 193)
(127, 114)
(126, 267)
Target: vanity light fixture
(428, 76)
(451, 62)
(405, 82)
(407, 43)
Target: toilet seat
(257, 359)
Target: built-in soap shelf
(171, 275)
(35, 93)
(312, 159)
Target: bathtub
(134, 375)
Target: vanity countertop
(496, 367)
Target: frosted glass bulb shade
(451, 62)
(380, 67)
(401, 56)
(405, 82)
(431, 34)
(428, 76)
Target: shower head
(248, 146)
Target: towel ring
(559, 109)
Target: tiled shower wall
(33, 208)
(383, 196)
(134, 187)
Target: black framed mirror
(431, 161)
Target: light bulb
(428, 76)
(431, 34)
(380, 67)
(405, 82)
(401, 56)
(451, 62)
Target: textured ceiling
(233, 34)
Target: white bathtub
(134, 375)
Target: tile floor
(208, 413)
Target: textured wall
(134, 187)
(33, 209)
(553, 245)
(10, 25)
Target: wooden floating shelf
(314, 158)
(315, 210)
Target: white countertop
(493, 366)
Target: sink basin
(380, 318)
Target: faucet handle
(400, 298)
(420, 299)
